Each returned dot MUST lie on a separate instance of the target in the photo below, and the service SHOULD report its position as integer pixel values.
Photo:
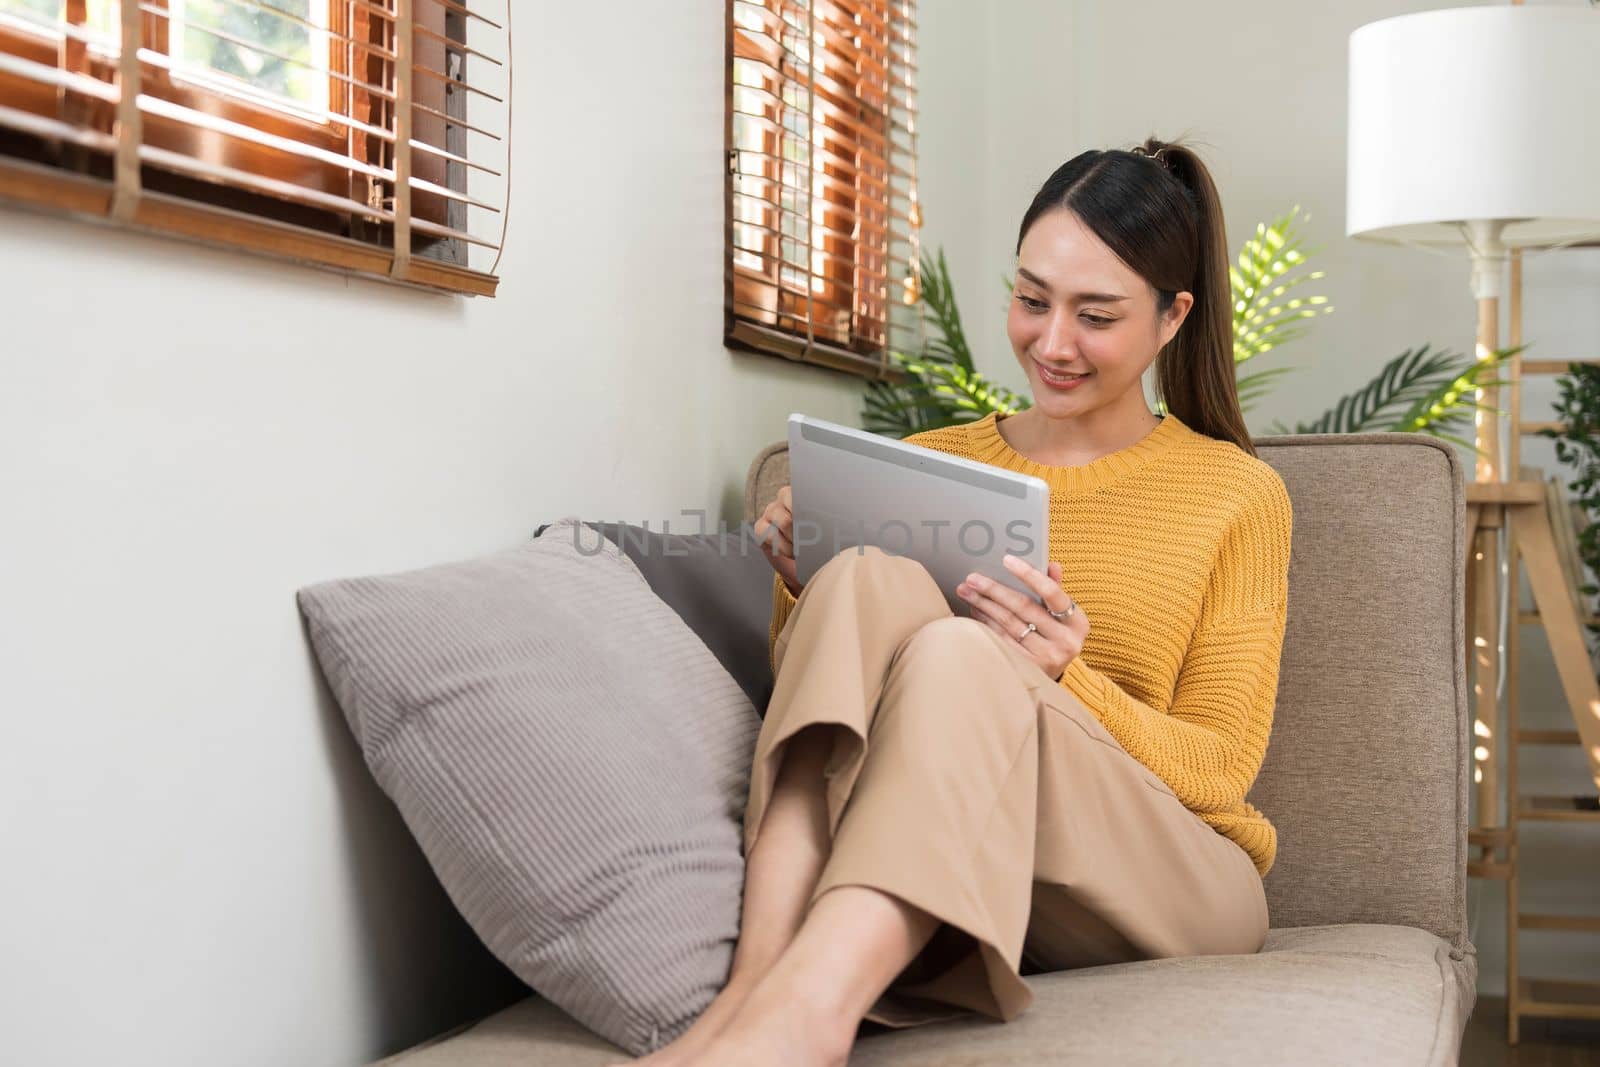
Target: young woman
(940, 804)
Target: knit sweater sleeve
(783, 603)
(1209, 745)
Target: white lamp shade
(1477, 113)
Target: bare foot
(689, 1045)
(777, 1028)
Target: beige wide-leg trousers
(967, 783)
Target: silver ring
(1072, 606)
(1032, 628)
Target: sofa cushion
(718, 583)
(571, 759)
(1331, 995)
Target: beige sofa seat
(1321, 995)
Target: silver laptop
(954, 516)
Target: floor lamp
(1478, 129)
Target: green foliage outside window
(281, 57)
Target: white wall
(1021, 86)
(196, 868)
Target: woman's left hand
(1053, 644)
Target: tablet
(955, 516)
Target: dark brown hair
(1157, 209)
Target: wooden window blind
(823, 257)
(369, 136)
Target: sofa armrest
(769, 472)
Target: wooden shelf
(1547, 737)
(1530, 428)
(1531, 617)
(1490, 839)
(1550, 366)
(1589, 924)
(1558, 809)
(1493, 508)
(1551, 999)
(1505, 492)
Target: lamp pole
(1488, 264)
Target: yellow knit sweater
(1177, 548)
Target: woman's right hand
(774, 531)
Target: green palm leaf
(1265, 315)
(1400, 381)
(1255, 385)
(949, 342)
(940, 386)
(1445, 403)
(1417, 389)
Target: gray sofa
(1368, 961)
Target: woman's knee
(955, 646)
(951, 678)
(875, 568)
(951, 637)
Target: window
(342, 133)
(823, 254)
(278, 52)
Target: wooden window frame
(849, 236)
(67, 177)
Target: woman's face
(1078, 309)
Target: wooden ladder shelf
(1518, 510)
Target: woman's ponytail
(1195, 374)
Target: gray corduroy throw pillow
(572, 760)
